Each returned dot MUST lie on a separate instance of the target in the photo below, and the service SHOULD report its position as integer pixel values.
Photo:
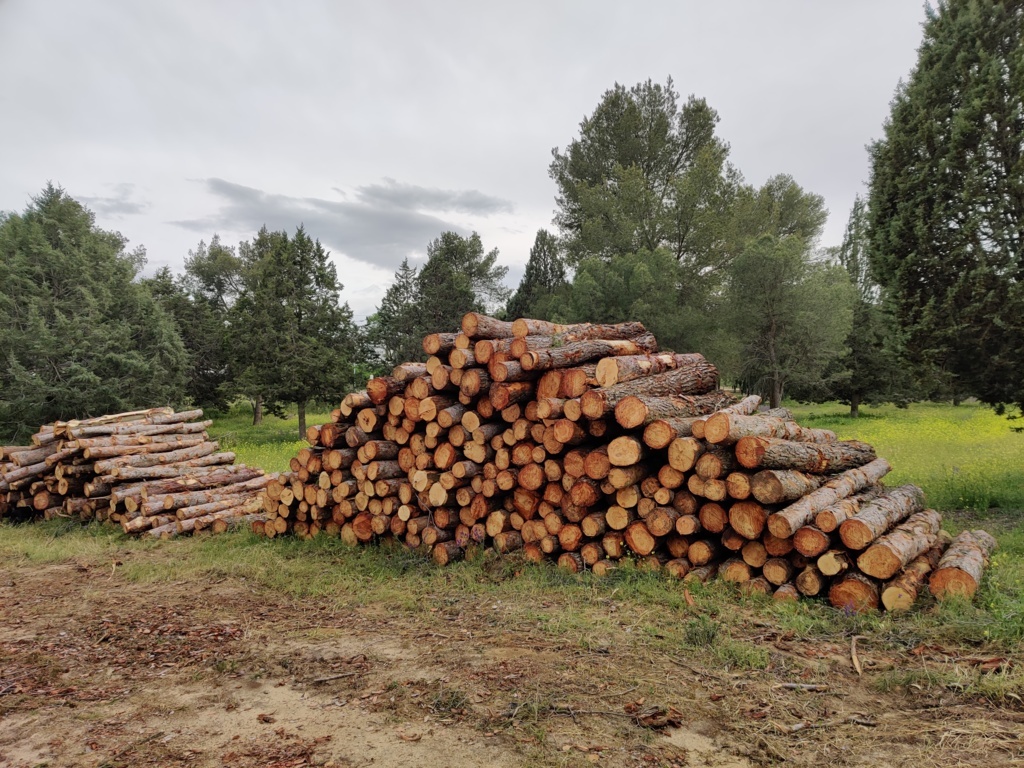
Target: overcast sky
(381, 124)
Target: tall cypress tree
(543, 278)
(947, 201)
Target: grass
(964, 457)
(270, 445)
(937, 447)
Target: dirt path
(101, 672)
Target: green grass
(270, 445)
(964, 457)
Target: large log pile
(154, 471)
(585, 445)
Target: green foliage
(395, 329)
(543, 287)
(293, 340)
(640, 286)
(947, 201)
(646, 173)
(791, 315)
(458, 278)
(81, 337)
(871, 370)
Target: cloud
(383, 223)
(118, 205)
(412, 197)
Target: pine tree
(947, 201)
(395, 330)
(458, 278)
(81, 337)
(543, 280)
(295, 342)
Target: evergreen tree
(543, 283)
(81, 337)
(395, 330)
(458, 278)
(645, 173)
(294, 341)
(870, 372)
(791, 316)
(947, 201)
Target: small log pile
(584, 444)
(154, 471)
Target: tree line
(653, 222)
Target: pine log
(901, 593)
(748, 518)
(890, 553)
(830, 518)
(625, 450)
(439, 343)
(784, 523)
(735, 570)
(642, 410)
(584, 351)
(810, 541)
(478, 326)
(958, 573)
(182, 468)
(661, 432)
(156, 459)
(757, 585)
(690, 380)
(878, 516)
(528, 327)
(640, 539)
(778, 570)
(818, 458)
(810, 581)
(785, 593)
(163, 503)
(775, 486)
(164, 444)
(726, 427)
(835, 562)
(615, 370)
(854, 592)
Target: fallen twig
(808, 725)
(853, 653)
(333, 677)
(801, 686)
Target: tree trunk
(784, 523)
(637, 411)
(854, 592)
(855, 405)
(583, 351)
(817, 458)
(959, 571)
(901, 593)
(887, 556)
(775, 486)
(830, 518)
(876, 517)
(730, 427)
(257, 411)
(615, 370)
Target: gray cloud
(410, 196)
(119, 204)
(381, 226)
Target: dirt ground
(101, 672)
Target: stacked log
(153, 471)
(584, 445)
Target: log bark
(958, 573)
(890, 553)
(691, 380)
(776, 486)
(616, 370)
(785, 523)
(642, 410)
(439, 343)
(878, 516)
(729, 428)
(901, 593)
(830, 518)
(817, 458)
(479, 326)
(583, 351)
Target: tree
(947, 201)
(543, 280)
(81, 337)
(295, 342)
(645, 174)
(790, 314)
(200, 301)
(640, 286)
(395, 330)
(457, 278)
(871, 371)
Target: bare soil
(99, 671)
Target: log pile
(155, 472)
(585, 445)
